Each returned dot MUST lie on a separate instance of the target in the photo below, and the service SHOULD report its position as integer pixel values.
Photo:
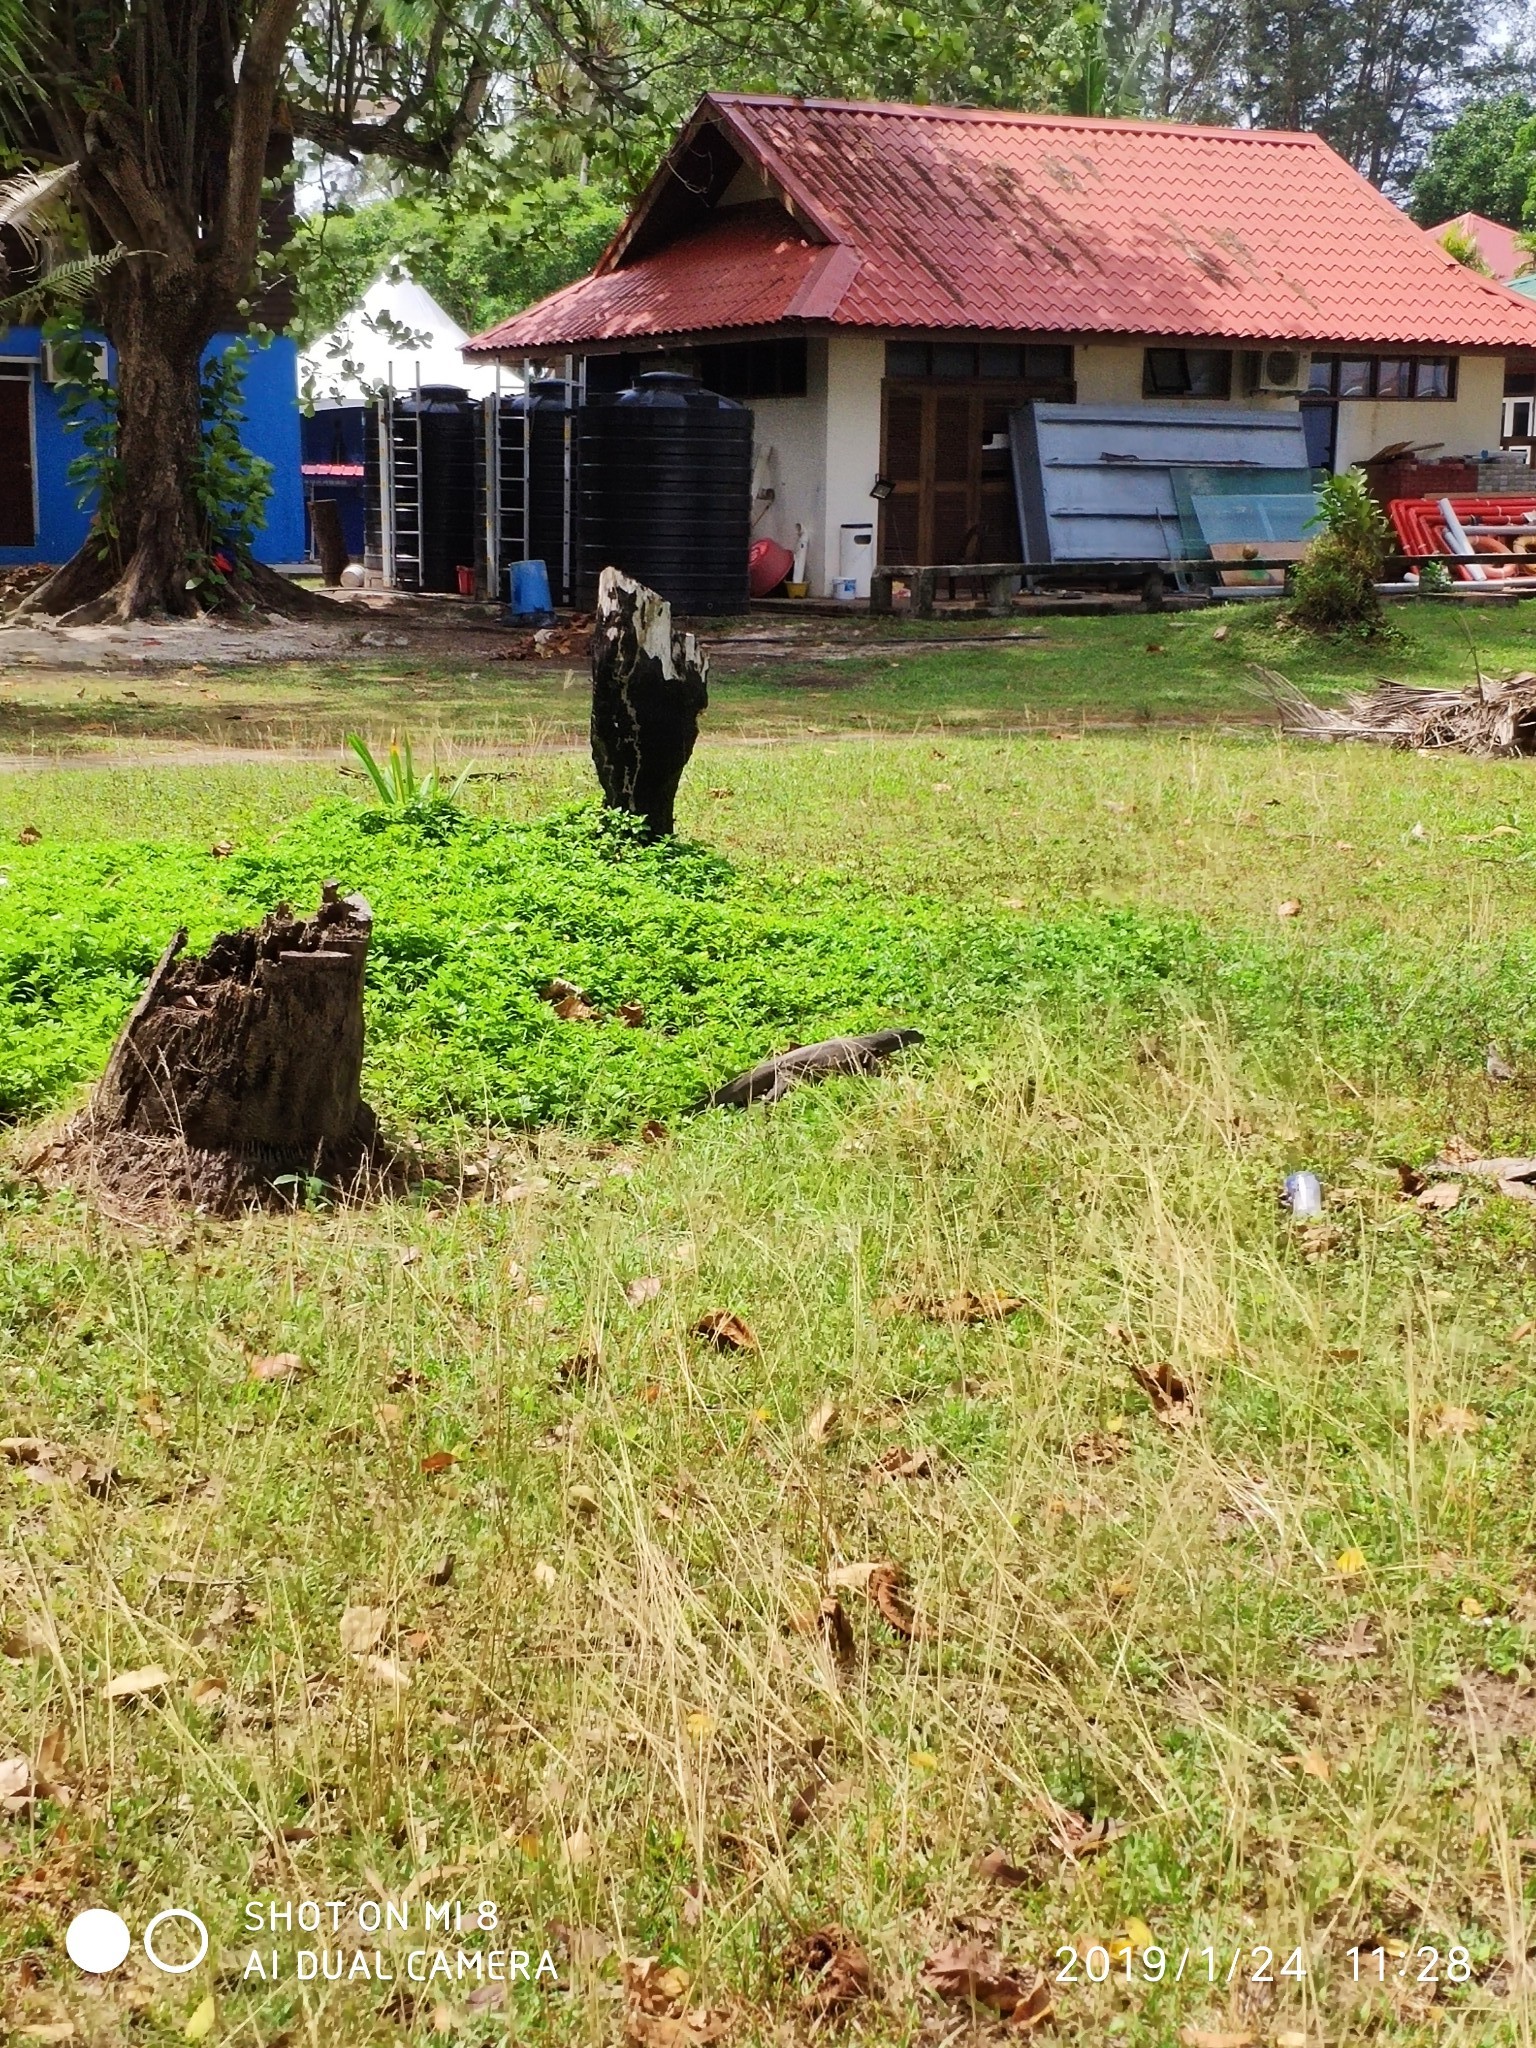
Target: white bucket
(845, 589)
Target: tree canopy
(1484, 162)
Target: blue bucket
(528, 590)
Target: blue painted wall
(271, 430)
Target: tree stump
(330, 543)
(649, 686)
(237, 1069)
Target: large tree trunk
(649, 686)
(150, 536)
(238, 1073)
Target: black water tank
(665, 491)
(436, 513)
(541, 414)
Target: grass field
(512, 1588)
(858, 675)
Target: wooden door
(17, 526)
(952, 497)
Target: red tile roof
(935, 218)
(1496, 244)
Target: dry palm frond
(23, 197)
(1491, 717)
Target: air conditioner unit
(51, 371)
(1280, 370)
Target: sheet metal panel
(1095, 482)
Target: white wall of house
(789, 450)
(1466, 424)
(1110, 373)
(825, 450)
(855, 374)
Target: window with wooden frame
(944, 445)
(18, 491)
(1186, 373)
(1387, 378)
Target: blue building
(41, 519)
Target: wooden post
(924, 584)
(325, 525)
(649, 686)
(880, 592)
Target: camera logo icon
(97, 1940)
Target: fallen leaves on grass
(884, 1582)
(281, 1365)
(996, 1868)
(970, 1973)
(1457, 1422)
(821, 1425)
(1358, 1641)
(638, 1292)
(831, 1623)
(385, 1671)
(1207, 2037)
(1350, 1564)
(900, 1463)
(726, 1330)
(1291, 907)
(1172, 1398)
(1490, 1704)
(136, 1685)
(439, 1461)
(835, 1971)
(655, 2007)
(204, 2018)
(361, 1628)
(966, 1306)
(632, 1014)
(1077, 1837)
(1440, 1197)
(1100, 1447)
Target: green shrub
(1334, 587)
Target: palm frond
(68, 285)
(23, 197)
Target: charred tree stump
(649, 686)
(330, 543)
(236, 1068)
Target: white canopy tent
(398, 335)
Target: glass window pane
(1210, 372)
(1048, 365)
(954, 359)
(1166, 374)
(906, 359)
(1321, 379)
(1355, 377)
(1000, 359)
(1432, 377)
(1392, 377)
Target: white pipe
(1456, 541)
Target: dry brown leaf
(15, 1783)
(26, 1450)
(1458, 1422)
(1077, 1837)
(899, 1463)
(47, 2030)
(440, 1573)
(967, 1306)
(1358, 1641)
(1205, 2037)
(638, 1292)
(206, 1691)
(29, 836)
(280, 1366)
(136, 1685)
(1291, 907)
(632, 1014)
(1521, 1331)
(385, 1671)
(970, 1973)
(1458, 1151)
(361, 1628)
(855, 1577)
(726, 1330)
(1172, 1398)
(822, 1424)
(836, 1971)
(885, 1588)
(832, 1625)
(997, 1869)
(439, 1461)
(1100, 1447)
(1409, 1180)
(1440, 1197)
(583, 1500)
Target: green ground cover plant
(433, 1549)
